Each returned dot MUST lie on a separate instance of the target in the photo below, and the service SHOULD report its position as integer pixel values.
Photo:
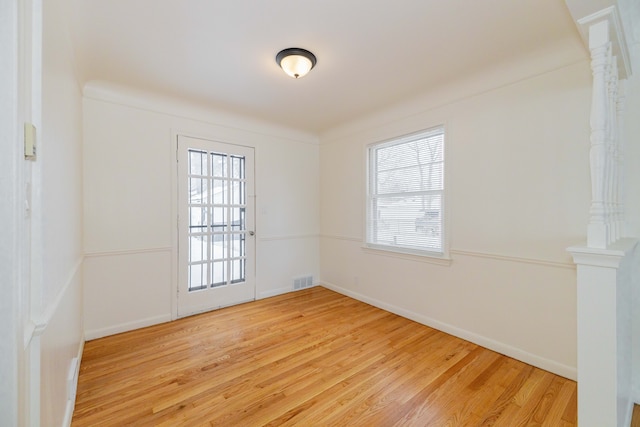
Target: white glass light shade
(296, 65)
(295, 61)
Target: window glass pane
(218, 165)
(237, 167)
(198, 162)
(198, 219)
(237, 219)
(413, 152)
(198, 245)
(219, 191)
(237, 245)
(414, 178)
(219, 246)
(408, 222)
(197, 190)
(237, 270)
(197, 276)
(219, 223)
(430, 150)
(219, 274)
(238, 193)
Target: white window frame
(443, 253)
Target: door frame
(175, 209)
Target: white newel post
(599, 231)
(620, 185)
(605, 264)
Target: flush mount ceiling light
(296, 62)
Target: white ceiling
(371, 53)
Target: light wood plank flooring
(310, 358)
(635, 420)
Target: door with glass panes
(216, 244)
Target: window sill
(427, 257)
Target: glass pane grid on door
(217, 219)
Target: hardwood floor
(310, 358)
(635, 419)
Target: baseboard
(502, 348)
(273, 292)
(126, 327)
(280, 291)
(71, 403)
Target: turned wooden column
(599, 230)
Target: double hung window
(405, 200)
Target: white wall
(518, 196)
(129, 203)
(56, 293)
